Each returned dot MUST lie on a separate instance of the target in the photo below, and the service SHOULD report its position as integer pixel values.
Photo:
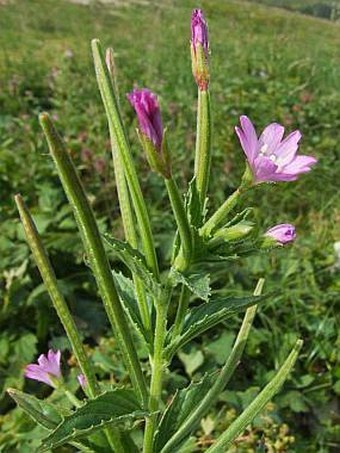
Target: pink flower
(270, 158)
(47, 370)
(282, 233)
(148, 113)
(200, 49)
(82, 380)
(199, 31)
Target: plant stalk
(49, 278)
(220, 215)
(183, 259)
(221, 381)
(203, 145)
(129, 230)
(256, 406)
(121, 145)
(157, 371)
(183, 304)
(96, 254)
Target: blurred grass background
(268, 63)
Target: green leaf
(126, 291)
(197, 283)
(134, 260)
(44, 413)
(116, 406)
(183, 403)
(207, 315)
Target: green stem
(183, 304)
(221, 381)
(177, 205)
(59, 303)
(49, 278)
(157, 371)
(256, 406)
(203, 144)
(96, 253)
(122, 146)
(220, 215)
(129, 229)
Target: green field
(268, 63)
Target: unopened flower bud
(150, 131)
(233, 233)
(200, 49)
(278, 235)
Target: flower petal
(264, 169)
(301, 164)
(270, 138)
(283, 233)
(35, 372)
(287, 148)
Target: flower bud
(199, 49)
(278, 235)
(150, 131)
(236, 232)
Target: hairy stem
(157, 370)
(177, 205)
(203, 144)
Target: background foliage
(267, 63)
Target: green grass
(267, 63)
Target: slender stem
(59, 303)
(221, 381)
(122, 146)
(182, 223)
(96, 253)
(129, 229)
(203, 144)
(181, 311)
(256, 406)
(157, 370)
(220, 215)
(124, 200)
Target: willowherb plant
(138, 304)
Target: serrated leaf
(44, 413)
(134, 260)
(208, 315)
(183, 403)
(199, 284)
(116, 406)
(126, 292)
